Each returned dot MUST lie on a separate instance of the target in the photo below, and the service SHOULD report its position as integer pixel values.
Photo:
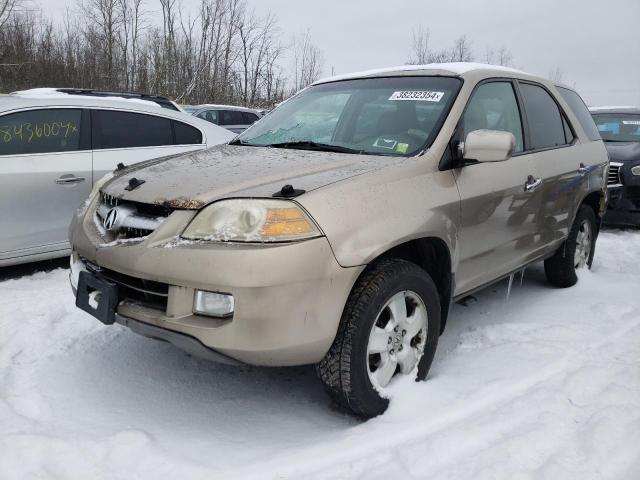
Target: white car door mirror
(489, 146)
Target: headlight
(636, 170)
(251, 220)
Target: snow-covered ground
(544, 386)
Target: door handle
(583, 170)
(69, 180)
(532, 183)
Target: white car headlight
(252, 220)
(636, 170)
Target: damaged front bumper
(288, 298)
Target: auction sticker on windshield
(417, 95)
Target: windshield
(381, 116)
(618, 127)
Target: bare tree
(132, 16)
(502, 57)
(106, 17)
(505, 57)
(308, 61)
(461, 51)
(7, 7)
(420, 54)
(556, 75)
(218, 53)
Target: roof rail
(164, 102)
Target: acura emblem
(111, 219)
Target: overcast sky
(595, 43)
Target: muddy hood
(193, 180)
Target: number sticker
(417, 95)
(631, 122)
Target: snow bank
(546, 386)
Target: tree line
(222, 52)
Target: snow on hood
(193, 180)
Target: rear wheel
(576, 252)
(389, 328)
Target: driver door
(498, 214)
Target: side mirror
(489, 146)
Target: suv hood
(623, 152)
(193, 180)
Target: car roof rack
(164, 102)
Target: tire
(561, 268)
(349, 369)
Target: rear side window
(231, 117)
(581, 112)
(128, 130)
(186, 134)
(493, 106)
(40, 131)
(546, 124)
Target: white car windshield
(381, 116)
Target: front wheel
(389, 327)
(576, 252)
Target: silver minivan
(54, 146)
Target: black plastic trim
(184, 342)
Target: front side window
(128, 130)
(618, 127)
(493, 106)
(380, 116)
(546, 123)
(40, 131)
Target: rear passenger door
(131, 137)
(548, 144)
(45, 160)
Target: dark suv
(620, 130)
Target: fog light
(213, 304)
(636, 170)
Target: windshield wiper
(310, 145)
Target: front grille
(138, 290)
(613, 179)
(130, 220)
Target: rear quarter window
(186, 134)
(581, 112)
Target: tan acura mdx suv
(338, 229)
